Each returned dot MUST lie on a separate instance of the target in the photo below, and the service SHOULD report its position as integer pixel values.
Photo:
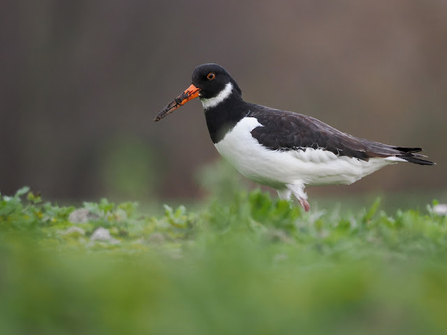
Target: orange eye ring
(211, 76)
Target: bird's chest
(245, 153)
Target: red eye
(211, 76)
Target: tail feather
(416, 159)
(409, 150)
(411, 155)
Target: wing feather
(282, 130)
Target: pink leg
(304, 204)
(298, 191)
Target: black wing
(284, 131)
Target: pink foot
(304, 204)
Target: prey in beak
(190, 93)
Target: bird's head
(211, 83)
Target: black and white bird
(282, 149)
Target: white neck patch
(213, 102)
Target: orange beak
(190, 93)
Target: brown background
(82, 80)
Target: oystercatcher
(282, 149)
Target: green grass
(251, 265)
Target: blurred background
(81, 82)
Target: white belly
(279, 168)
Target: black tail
(411, 155)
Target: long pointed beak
(190, 93)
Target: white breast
(279, 168)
